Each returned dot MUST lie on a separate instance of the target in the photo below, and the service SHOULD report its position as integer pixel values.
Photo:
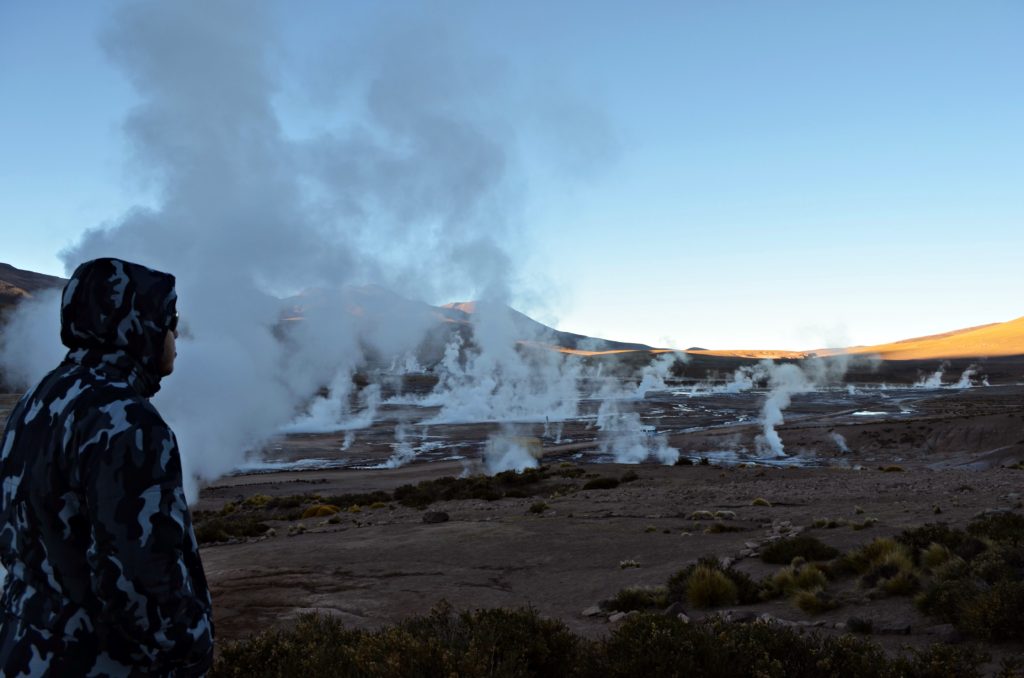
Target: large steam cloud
(419, 192)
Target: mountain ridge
(990, 340)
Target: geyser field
(377, 505)
(375, 524)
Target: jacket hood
(113, 305)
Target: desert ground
(912, 456)
(920, 456)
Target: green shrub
(784, 551)
(217, 529)
(747, 590)
(710, 587)
(995, 614)
(638, 598)
(509, 643)
(814, 602)
(320, 511)
(1006, 528)
(792, 579)
(959, 542)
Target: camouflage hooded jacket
(103, 569)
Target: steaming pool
(722, 427)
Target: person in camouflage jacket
(103, 569)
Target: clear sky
(730, 174)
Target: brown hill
(17, 284)
(995, 340)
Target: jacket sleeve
(144, 559)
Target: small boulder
(617, 617)
(435, 517)
(593, 611)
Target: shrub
(538, 507)
(784, 551)
(747, 590)
(959, 542)
(320, 511)
(638, 598)
(935, 556)
(903, 583)
(217, 529)
(487, 642)
(710, 587)
(891, 469)
(603, 483)
(995, 614)
(814, 602)
(629, 476)
(1001, 527)
(511, 643)
(941, 660)
(761, 501)
(792, 579)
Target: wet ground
(841, 426)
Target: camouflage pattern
(103, 569)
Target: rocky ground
(944, 456)
(379, 565)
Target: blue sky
(724, 174)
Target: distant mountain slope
(372, 305)
(995, 340)
(984, 341)
(531, 331)
(17, 284)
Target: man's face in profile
(170, 353)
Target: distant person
(103, 570)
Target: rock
(593, 611)
(839, 626)
(435, 517)
(725, 562)
(617, 617)
(683, 618)
(675, 609)
(751, 544)
(946, 633)
(745, 553)
(739, 616)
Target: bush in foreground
(521, 643)
(784, 551)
